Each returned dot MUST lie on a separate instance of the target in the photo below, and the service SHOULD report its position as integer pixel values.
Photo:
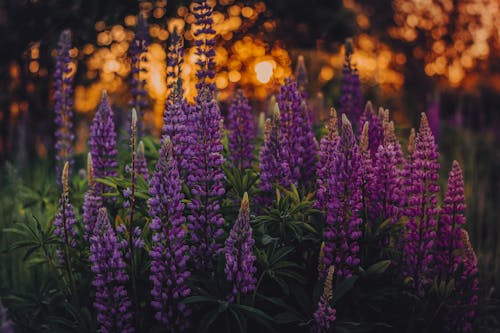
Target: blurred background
(434, 56)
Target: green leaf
(379, 267)
(343, 287)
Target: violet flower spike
(169, 252)
(241, 132)
(240, 262)
(91, 201)
(351, 99)
(422, 211)
(102, 144)
(325, 314)
(112, 303)
(301, 75)
(64, 221)
(204, 41)
(141, 162)
(375, 129)
(343, 221)
(63, 107)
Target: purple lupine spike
(205, 180)
(375, 130)
(102, 143)
(343, 222)
(63, 107)
(240, 262)
(325, 314)
(273, 164)
(64, 221)
(111, 302)
(367, 175)
(351, 99)
(390, 138)
(387, 192)
(301, 75)
(327, 147)
(169, 252)
(91, 202)
(241, 131)
(296, 133)
(175, 59)
(141, 162)
(6, 325)
(138, 50)
(422, 210)
(205, 44)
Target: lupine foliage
(346, 236)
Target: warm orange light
(264, 71)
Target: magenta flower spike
(169, 251)
(343, 209)
(241, 131)
(422, 210)
(112, 302)
(240, 262)
(63, 107)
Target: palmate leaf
(379, 267)
(343, 287)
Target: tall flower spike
(343, 222)
(296, 133)
(327, 146)
(422, 210)
(111, 302)
(390, 138)
(375, 130)
(205, 180)
(102, 143)
(204, 41)
(91, 202)
(301, 75)
(63, 107)
(138, 50)
(241, 131)
(175, 59)
(273, 164)
(325, 314)
(64, 221)
(141, 162)
(169, 252)
(351, 99)
(367, 174)
(240, 261)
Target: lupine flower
(327, 146)
(241, 131)
(240, 262)
(91, 202)
(390, 138)
(422, 210)
(64, 221)
(273, 164)
(325, 314)
(351, 99)
(301, 75)
(111, 302)
(406, 172)
(141, 162)
(6, 325)
(375, 129)
(63, 107)
(343, 222)
(367, 174)
(204, 41)
(138, 49)
(102, 143)
(296, 133)
(205, 179)
(169, 253)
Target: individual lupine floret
(205, 180)
(241, 131)
(273, 164)
(325, 314)
(351, 98)
(111, 302)
(422, 211)
(102, 143)
(169, 252)
(204, 41)
(138, 49)
(343, 221)
(63, 107)
(141, 162)
(240, 262)
(375, 129)
(296, 133)
(91, 201)
(327, 146)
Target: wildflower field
(236, 215)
